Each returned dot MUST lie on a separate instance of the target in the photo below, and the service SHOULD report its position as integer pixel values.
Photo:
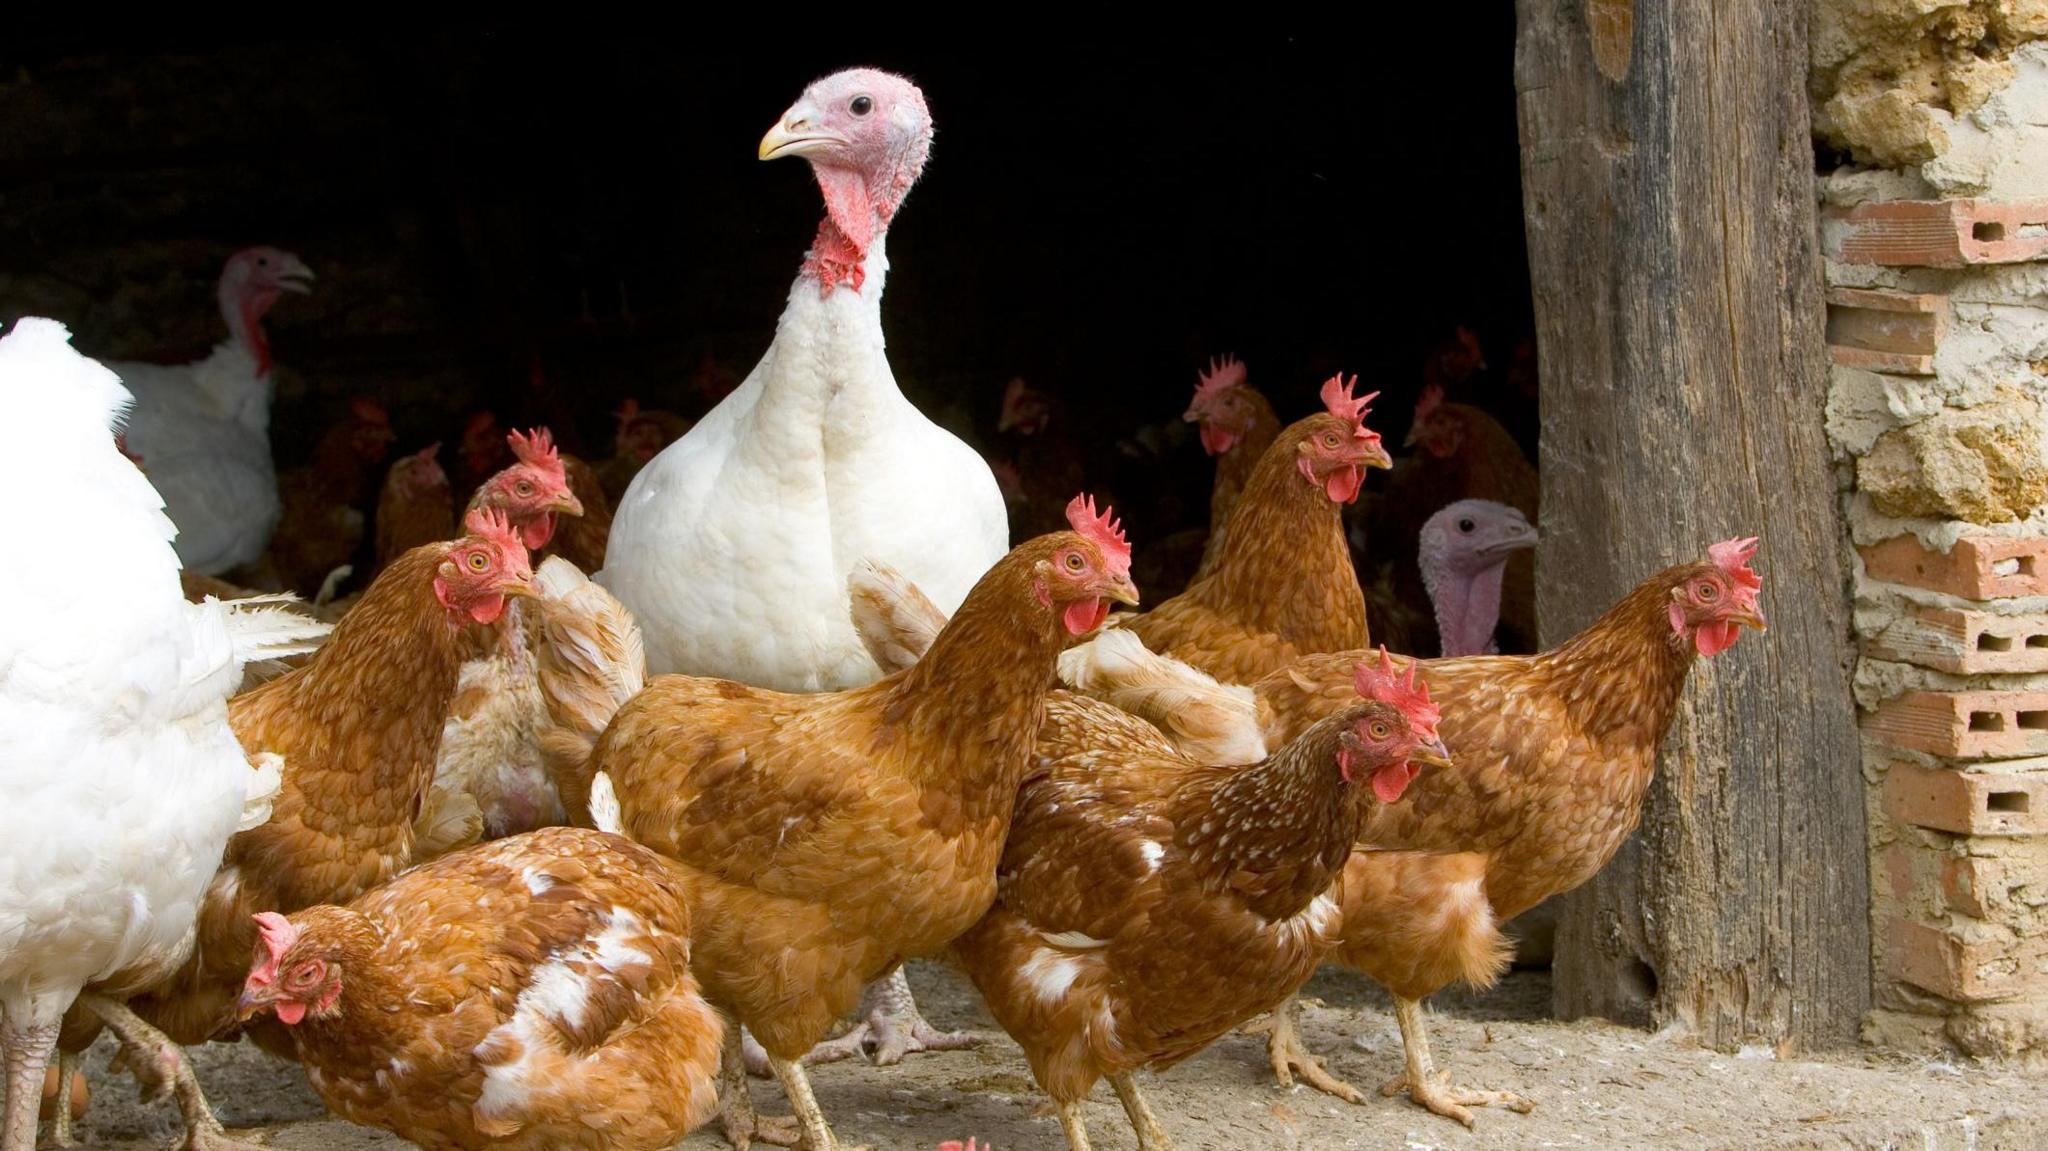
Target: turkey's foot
(1290, 1056)
(1452, 1102)
(891, 1027)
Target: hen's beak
(251, 1004)
(1122, 591)
(569, 505)
(1379, 457)
(797, 134)
(1431, 754)
(524, 589)
(295, 276)
(1752, 618)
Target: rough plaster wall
(1897, 83)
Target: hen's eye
(1379, 730)
(263, 261)
(861, 106)
(1707, 591)
(1465, 525)
(524, 488)
(1075, 562)
(478, 561)
(1329, 439)
(306, 975)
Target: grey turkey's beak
(295, 276)
(1523, 536)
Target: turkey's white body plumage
(203, 432)
(732, 547)
(123, 780)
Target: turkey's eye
(524, 488)
(478, 561)
(1379, 729)
(860, 106)
(1074, 562)
(1706, 592)
(1465, 525)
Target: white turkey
(203, 429)
(733, 546)
(122, 777)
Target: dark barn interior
(501, 221)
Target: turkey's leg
(797, 1085)
(27, 1054)
(891, 1021)
(736, 1111)
(1289, 1055)
(1425, 1087)
(1151, 1136)
(145, 1046)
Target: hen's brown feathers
(1283, 587)
(533, 992)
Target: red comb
(479, 421)
(369, 411)
(536, 448)
(956, 1145)
(1103, 531)
(1342, 404)
(491, 524)
(629, 410)
(1223, 374)
(1732, 556)
(277, 935)
(429, 452)
(1408, 693)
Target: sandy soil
(1597, 1086)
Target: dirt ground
(1596, 1086)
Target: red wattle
(1217, 440)
(289, 1012)
(1342, 485)
(538, 531)
(1084, 616)
(1389, 782)
(487, 609)
(1714, 638)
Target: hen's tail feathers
(448, 821)
(266, 779)
(604, 806)
(268, 627)
(590, 662)
(896, 621)
(1209, 721)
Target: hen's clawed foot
(736, 1114)
(890, 1028)
(1291, 1057)
(743, 1128)
(215, 1139)
(1451, 1102)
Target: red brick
(1894, 332)
(1968, 802)
(1944, 233)
(1978, 567)
(1952, 967)
(1964, 724)
(1967, 642)
(1967, 884)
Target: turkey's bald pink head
(285, 976)
(1713, 600)
(866, 134)
(1089, 567)
(1337, 447)
(249, 284)
(533, 491)
(1393, 739)
(483, 568)
(1222, 405)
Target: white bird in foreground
(122, 778)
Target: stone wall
(1938, 416)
